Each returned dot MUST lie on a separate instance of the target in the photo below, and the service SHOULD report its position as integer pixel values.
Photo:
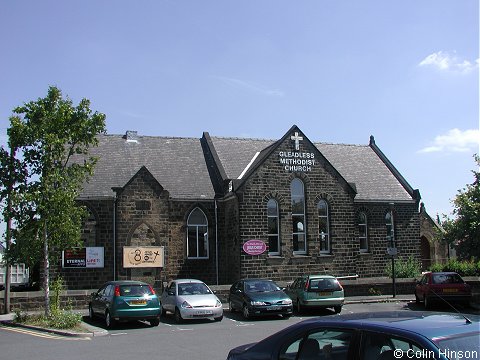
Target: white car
(191, 299)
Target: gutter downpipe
(114, 235)
(216, 240)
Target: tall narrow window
(323, 227)
(197, 235)
(390, 229)
(363, 232)
(298, 217)
(273, 228)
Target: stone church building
(219, 209)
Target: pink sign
(254, 247)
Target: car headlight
(218, 304)
(287, 302)
(257, 303)
(186, 305)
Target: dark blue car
(376, 336)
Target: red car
(442, 287)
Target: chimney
(131, 136)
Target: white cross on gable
(297, 139)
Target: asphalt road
(198, 340)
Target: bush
(404, 268)
(463, 268)
(59, 318)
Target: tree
(45, 136)
(464, 231)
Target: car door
(96, 300)
(169, 297)
(236, 295)
(423, 287)
(320, 343)
(292, 290)
(106, 298)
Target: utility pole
(8, 235)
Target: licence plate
(450, 290)
(273, 307)
(138, 302)
(325, 293)
(204, 312)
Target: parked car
(316, 291)
(370, 336)
(445, 287)
(191, 299)
(258, 297)
(124, 301)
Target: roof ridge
(240, 138)
(155, 136)
(343, 144)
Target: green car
(316, 291)
(124, 301)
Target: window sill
(364, 253)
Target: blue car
(389, 335)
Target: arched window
(323, 226)
(197, 235)
(273, 228)
(363, 231)
(298, 217)
(390, 229)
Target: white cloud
(455, 140)
(251, 86)
(449, 62)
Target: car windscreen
(447, 279)
(323, 285)
(135, 290)
(193, 289)
(261, 286)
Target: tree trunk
(46, 271)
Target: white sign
(142, 256)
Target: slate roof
(178, 165)
(358, 164)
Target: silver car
(191, 299)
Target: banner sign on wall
(89, 257)
(142, 256)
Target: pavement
(91, 331)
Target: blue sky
(405, 71)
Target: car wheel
(337, 309)
(91, 314)
(246, 312)
(417, 299)
(155, 322)
(178, 316)
(109, 321)
(220, 318)
(230, 305)
(299, 307)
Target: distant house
(219, 209)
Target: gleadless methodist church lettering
(307, 206)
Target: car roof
(323, 276)
(428, 324)
(125, 282)
(182, 281)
